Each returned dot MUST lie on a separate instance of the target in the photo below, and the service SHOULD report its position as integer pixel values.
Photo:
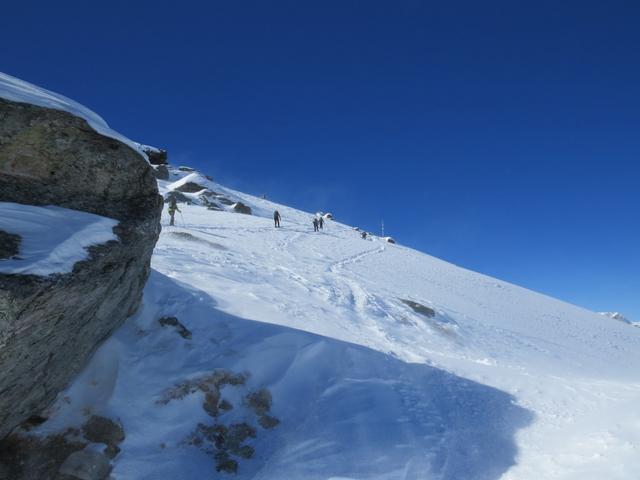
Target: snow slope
(53, 238)
(498, 383)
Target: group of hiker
(318, 221)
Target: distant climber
(364, 235)
(276, 218)
(315, 224)
(173, 206)
(321, 222)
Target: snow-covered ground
(53, 238)
(488, 381)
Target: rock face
(190, 187)
(9, 245)
(156, 156)
(162, 172)
(49, 326)
(240, 207)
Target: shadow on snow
(346, 411)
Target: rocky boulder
(49, 326)
(156, 156)
(161, 172)
(9, 245)
(240, 207)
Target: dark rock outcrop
(49, 326)
(156, 156)
(190, 187)
(100, 429)
(240, 207)
(9, 244)
(180, 198)
(161, 172)
(62, 456)
(419, 308)
(183, 331)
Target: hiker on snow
(276, 218)
(364, 235)
(321, 222)
(173, 206)
(315, 224)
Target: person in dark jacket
(173, 207)
(276, 218)
(321, 222)
(315, 224)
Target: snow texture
(493, 382)
(53, 238)
(17, 90)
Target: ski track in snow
(501, 383)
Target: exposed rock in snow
(620, 317)
(100, 429)
(50, 158)
(161, 172)
(240, 207)
(177, 325)
(9, 244)
(615, 316)
(190, 187)
(419, 308)
(156, 156)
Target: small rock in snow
(183, 331)
(86, 465)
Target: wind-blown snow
(16, 90)
(487, 380)
(53, 238)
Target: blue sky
(501, 136)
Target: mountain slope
(382, 362)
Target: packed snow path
(499, 382)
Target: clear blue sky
(501, 136)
